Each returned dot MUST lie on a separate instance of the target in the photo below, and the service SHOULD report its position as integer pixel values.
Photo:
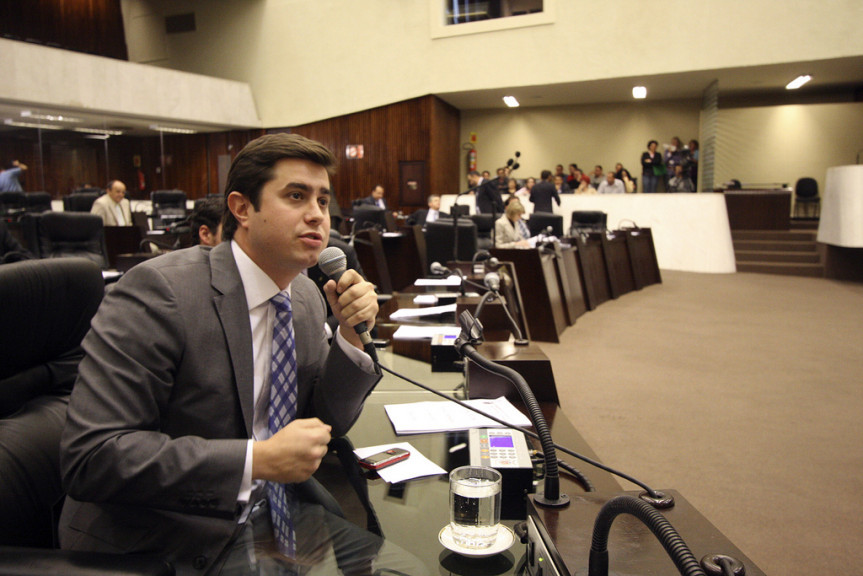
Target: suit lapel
(233, 311)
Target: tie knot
(282, 302)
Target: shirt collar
(259, 287)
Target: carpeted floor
(742, 391)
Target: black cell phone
(384, 459)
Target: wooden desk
(758, 209)
(572, 283)
(542, 298)
(642, 254)
(121, 240)
(529, 361)
(618, 263)
(593, 269)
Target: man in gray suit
(113, 206)
(167, 446)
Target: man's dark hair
(649, 142)
(253, 167)
(208, 212)
(473, 173)
(545, 174)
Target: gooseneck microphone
(333, 262)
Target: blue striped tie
(283, 409)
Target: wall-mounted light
(639, 92)
(510, 101)
(172, 130)
(798, 82)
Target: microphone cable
(654, 494)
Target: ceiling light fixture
(10, 122)
(639, 92)
(798, 82)
(103, 131)
(50, 118)
(510, 101)
(158, 128)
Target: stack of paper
(443, 416)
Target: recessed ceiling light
(10, 122)
(798, 82)
(510, 101)
(50, 118)
(103, 131)
(639, 92)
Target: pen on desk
(457, 447)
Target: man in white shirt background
(113, 206)
(611, 185)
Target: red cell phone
(384, 459)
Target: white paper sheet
(453, 280)
(443, 416)
(421, 312)
(416, 466)
(406, 332)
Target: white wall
(784, 143)
(308, 61)
(585, 135)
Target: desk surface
(412, 514)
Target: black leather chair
(37, 202)
(440, 239)
(539, 222)
(79, 202)
(587, 221)
(168, 207)
(65, 234)
(806, 195)
(12, 204)
(484, 230)
(47, 307)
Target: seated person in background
(376, 198)
(510, 231)
(624, 176)
(430, 214)
(523, 193)
(561, 186)
(206, 221)
(113, 206)
(680, 182)
(558, 171)
(611, 185)
(597, 177)
(576, 177)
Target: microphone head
(515, 166)
(332, 261)
(492, 280)
(509, 162)
(517, 154)
(493, 262)
(549, 231)
(437, 268)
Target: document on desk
(453, 280)
(416, 466)
(424, 332)
(443, 416)
(403, 313)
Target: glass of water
(474, 504)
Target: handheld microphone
(333, 262)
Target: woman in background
(510, 231)
(651, 167)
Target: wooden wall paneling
(445, 149)
(92, 26)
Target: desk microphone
(492, 281)
(333, 262)
(436, 268)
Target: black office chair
(47, 307)
(539, 222)
(168, 207)
(12, 204)
(484, 230)
(79, 202)
(88, 190)
(37, 202)
(806, 195)
(586, 221)
(66, 234)
(366, 216)
(440, 239)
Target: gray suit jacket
(153, 451)
(104, 207)
(505, 234)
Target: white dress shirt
(259, 289)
